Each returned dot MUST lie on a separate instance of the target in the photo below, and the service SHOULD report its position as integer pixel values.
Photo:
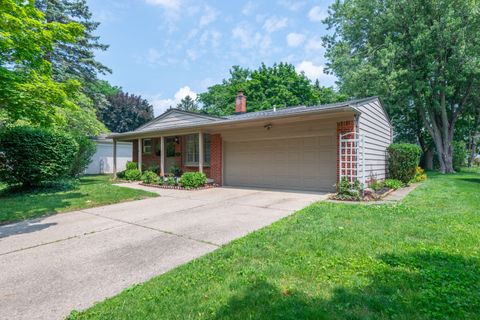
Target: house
(303, 148)
(102, 160)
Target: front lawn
(415, 260)
(91, 191)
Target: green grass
(91, 191)
(415, 260)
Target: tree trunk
(428, 160)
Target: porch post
(114, 158)
(162, 156)
(200, 152)
(140, 150)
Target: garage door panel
(301, 163)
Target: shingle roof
(249, 116)
(295, 110)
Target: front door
(169, 154)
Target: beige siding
(298, 155)
(374, 124)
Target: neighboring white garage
(102, 160)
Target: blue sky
(166, 49)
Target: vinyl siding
(374, 124)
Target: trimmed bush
(393, 184)
(150, 177)
(403, 159)
(459, 155)
(33, 155)
(191, 180)
(133, 175)
(86, 150)
(132, 165)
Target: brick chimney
(240, 103)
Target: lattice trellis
(352, 157)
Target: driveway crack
(155, 229)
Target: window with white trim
(147, 146)
(191, 150)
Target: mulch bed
(369, 196)
(161, 186)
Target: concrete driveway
(69, 261)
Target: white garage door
(307, 163)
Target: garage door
(307, 163)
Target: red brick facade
(213, 171)
(342, 128)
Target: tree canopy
(421, 57)
(188, 104)
(125, 112)
(28, 91)
(279, 85)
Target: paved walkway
(69, 261)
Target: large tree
(279, 85)
(74, 60)
(422, 57)
(28, 92)
(125, 112)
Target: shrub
(176, 171)
(86, 150)
(459, 155)
(393, 184)
(150, 177)
(403, 159)
(170, 181)
(420, 175)
(133, 175)
(193, 180)
(33, 155)
(376, 185)
(349, 190)
(132, 165)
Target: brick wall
(345, 127)
(216, 158)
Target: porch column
(162, 156)
(114, 158)
(140, 150)
(201, 156)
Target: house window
(191, 150)
(147, 146)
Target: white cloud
(160, 105)
(274, 24)
(295, 39)
(211, 38)
(317, 14)
(209, 16)
(293, 5)
(314, 72)
(167, 4)
(249, 8)
(153, 56)
(249, 39)
(314, 44)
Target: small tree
(31, 156)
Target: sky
(167, 49)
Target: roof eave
(137, 134)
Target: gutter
(133, 134)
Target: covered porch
(171, 154)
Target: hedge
(30, 156)
(403, 159)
